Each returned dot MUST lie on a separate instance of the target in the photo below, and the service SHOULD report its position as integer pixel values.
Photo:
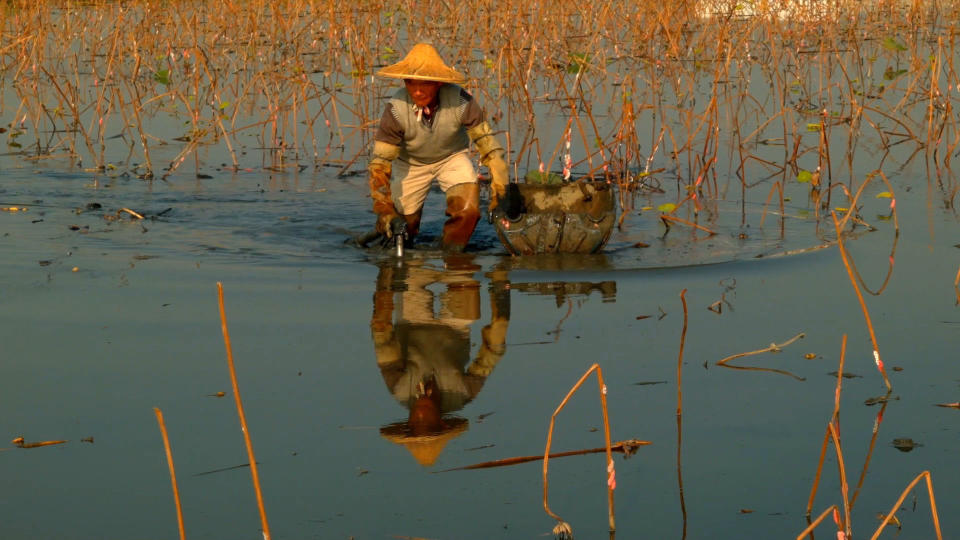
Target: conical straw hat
(423, 63)
(424, 448)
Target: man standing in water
(425, 134)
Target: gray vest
(422, 144)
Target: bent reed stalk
(243, 418)
(563, 529)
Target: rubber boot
(413, 224)
(463, 209)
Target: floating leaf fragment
(846, 375)
(879, 399)
(162, 76)
(893, 519)
(891, 74)
(804, 176)
(892, 44)
(954, 405)
(810, 356)
(884, 195)
(667, 208)
(905, 444)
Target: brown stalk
(863, 305)
(933, 506)
(956, 285)
(611, 478)
(173, 473)
(774, 348)
(833, 427)
(833, 418)
(627, 448)
(243, 419)
(666, 218)
(809, 530)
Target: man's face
(422, 92)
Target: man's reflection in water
(424, 356)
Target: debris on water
(481, 417)
(879, 399)
(44, 263)
(642, 317)
(810, 356)
(131, 212)
(87, 440)
(897, 368)
(19, 442)
(894, 520)
(954, 405)
(218, 394)
(483, 447)
(746, 511)
(362, 472)
(563, 531)
(649, 383)
(905, 444)
(846, 375)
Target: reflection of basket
(570, 218)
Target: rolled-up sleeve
(389, 130)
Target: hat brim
(452, 77)
(399, 432)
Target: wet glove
(380, 168)
(492, 156)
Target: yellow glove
(380, 168)
(491, 155)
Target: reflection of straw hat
(425, 448)
(422, 63)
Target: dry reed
(563, 529)
(773, 348)
(832, 434)
(173, 472)
(243, 419)
(564, 84)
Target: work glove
(492, 156)
(380, 168)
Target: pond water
(108, 279)
(105, 316)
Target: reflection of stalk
(833, 418)
(683, 337)
(873, 443)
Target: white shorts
(410, 183)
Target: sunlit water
(103, 319)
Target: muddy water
(105, 316)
